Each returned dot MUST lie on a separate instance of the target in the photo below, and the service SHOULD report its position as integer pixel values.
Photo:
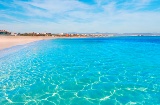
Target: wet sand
(9, 41)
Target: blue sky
(80, 15)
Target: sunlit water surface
(89, 71)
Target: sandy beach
(9, 41)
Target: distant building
(4, 32)
(14, 34)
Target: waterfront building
(4, 32)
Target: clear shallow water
(91, 71)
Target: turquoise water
(89, 71)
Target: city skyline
(82, 16)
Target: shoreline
(10, 41)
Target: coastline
(10, 41)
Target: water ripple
(82, 71)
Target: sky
(84, 16)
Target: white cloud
(76, 16)
(110, 7)
(52, 7)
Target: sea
(82, 71)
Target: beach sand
(9, 41)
